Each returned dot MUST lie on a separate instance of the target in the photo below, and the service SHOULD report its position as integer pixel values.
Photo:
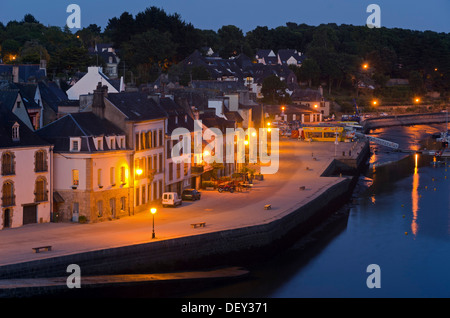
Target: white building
(88, 83)
(91, 168)
(26, 174)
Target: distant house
(108, 54)
(290, 57)
(311, 98)
(91, 168)
(87, 83)
(26, 173)
(266, 57)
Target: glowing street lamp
(365, 66)
(374, 103)
(139, 172)
(417, 100)
(153, 211)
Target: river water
(401, 224)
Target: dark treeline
(153, 41)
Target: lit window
(75, 178)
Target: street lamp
(365, 66)
(153, 211)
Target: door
(7, 218)
(30, 214)
(75, 212)
(112, 206)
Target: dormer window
(112, 142)
(75, 144)
(99, 143)
(15, 132)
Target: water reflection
(415, 195)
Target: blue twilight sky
(246, 14)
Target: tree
(231, 41)
(274, 90)
(309, 71)
(416, 82)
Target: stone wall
(229, 247)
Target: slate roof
(173, 110)
(136, 106)
(85, 125)
(27, 72)
(51, 94)
(8, 98)
(27, 138)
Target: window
(40, 161)
(137, 197)
(160, 137)
(123, 203)
(170, 171)
(154, 140)
(41, 190)
(160, 163)
(112, 176)
(186, 169)
(136, 142)
(75, 144)
(150, 142)
(99, 178)
(75, 178)
(122, 175)
(99, 144)
(8, 197)
(8, 166)
(178, 170)
(15, 132)
(143, 194)
(100, 208)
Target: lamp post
(153, 211)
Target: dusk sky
(246, 14)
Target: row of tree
(153, 41)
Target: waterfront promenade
(301, 164)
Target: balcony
(197, 170)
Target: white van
(171, 199)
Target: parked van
(171, 199)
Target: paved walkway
(220, 211)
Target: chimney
(98, 102)
(15, 74)
(43, 66)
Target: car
(171, 199)
(190, 194)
